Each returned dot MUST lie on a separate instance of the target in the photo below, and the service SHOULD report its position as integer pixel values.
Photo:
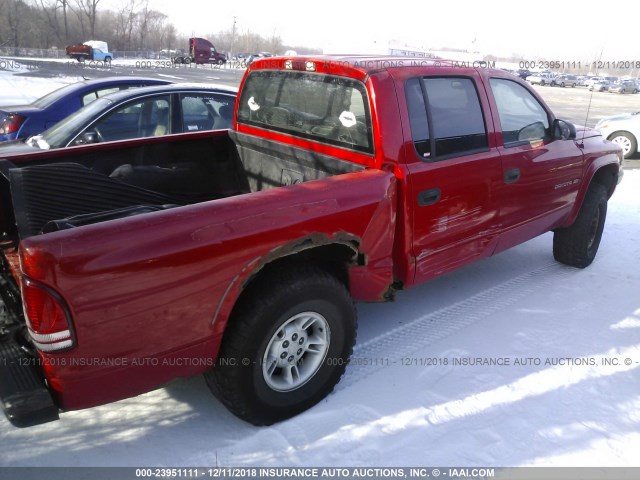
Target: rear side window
(324, 108)
(201, 111)
(90, 97)
(446, 117)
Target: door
(454, 173)
(541, 174)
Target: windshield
(64, 131)
(324, 108)
(54, 96)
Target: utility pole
(233, 36)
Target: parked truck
(200, 51)
(343, 179)
(92, 50)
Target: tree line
(134, 26)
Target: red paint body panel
(157, 292)
(159, 288)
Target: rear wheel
(577, 245)
(286, 346)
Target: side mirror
(533, 131)
(87, 138)
(563, 130)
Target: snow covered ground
(562, 389)
(16, 89)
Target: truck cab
(201, 51)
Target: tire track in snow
(435, 326)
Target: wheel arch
(605, 174)
(334, 255)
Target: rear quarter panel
(161, 286)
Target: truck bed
(85, 186)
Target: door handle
(428, 197)
(512, 175)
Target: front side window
(324, 108)
(522, 118)
(450, 121)
(143, 118)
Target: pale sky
(556, 30)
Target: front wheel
(577, 245)
(286, 346)
(627, 142)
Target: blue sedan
(22, 121)
(137, 113)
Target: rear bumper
(24, 397)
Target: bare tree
(63, 4)
(148, 21)
(14, 15)
(124, 24)
(87, 9)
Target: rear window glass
(325, 108)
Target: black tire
(81, 59)
(239, 380)
(577, 245)
(562, 84)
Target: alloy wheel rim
(296, 351)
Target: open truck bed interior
(84, 187)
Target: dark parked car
(23, 121)
(143, 112)
(523, 73)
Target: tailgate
(24, 396)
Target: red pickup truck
(238, 254)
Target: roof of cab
(356, 66)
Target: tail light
(11, 123)
(47, 317)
